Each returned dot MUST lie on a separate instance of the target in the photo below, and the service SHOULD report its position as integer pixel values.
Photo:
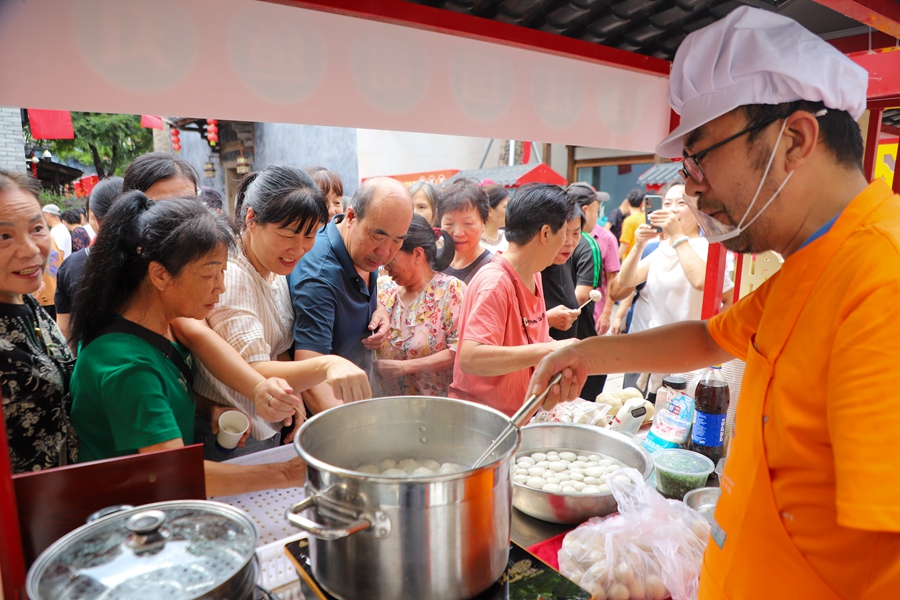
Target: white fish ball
(592, 463)
(431, 464)
(655, 589)
(544, 464)
(591, 481)
(594, 471)
(548, 473)
(535, 471)
(521, 479)
(568, 489)
(605, 462)
(617, 591)
(536, 483)
(387, 464)
(594, 457)
(552, 488)
(395, 472)
(554, 480)
(604, 489)
(370, 469)
(525, 460)
(423, 472)
(408, 464)
(622, 479)
(566, 483)
(552, 453)
(538, 456)
(582, 457)
(569, 456)
(558, 466)
(576, 476)
(517, 471)
(579, 485)
(579, 464)
(590, 489)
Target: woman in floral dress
(35, 363)
(417, 359)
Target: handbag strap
(163, 344)
(598, 256)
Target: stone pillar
(12, 141)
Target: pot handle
(323, 532)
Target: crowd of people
(164, 313)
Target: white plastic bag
(652, 549)
(575, 411)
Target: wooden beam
(870, 155)
(399, 12)
(863, 42)
(715, 280)
(884, 73)
(890, 129)
(883, 15)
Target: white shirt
(63, 239)
(669, 293)
(90, 230)
(256, 317)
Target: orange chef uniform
(810, 505)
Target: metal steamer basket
(383, 538)
(179, 550)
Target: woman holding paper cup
(279, 210)
(131, 388)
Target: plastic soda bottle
(710, 410)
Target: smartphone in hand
(652, 203)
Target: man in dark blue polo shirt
(333, 286)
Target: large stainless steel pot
(179, 550)
(385, 538)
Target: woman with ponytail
(152, 263)
(279, 211)
(423, 303)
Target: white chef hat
(754, 56)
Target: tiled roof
(891, 117)
(507, 176)
(661, 174)
(651, 27)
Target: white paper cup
(232, 425)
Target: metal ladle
(517, 420)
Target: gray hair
(430, 190)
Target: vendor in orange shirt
(503, 330)
(810, 504)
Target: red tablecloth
(548, 550)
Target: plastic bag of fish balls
(651, 550)
(575, 411)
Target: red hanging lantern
(212, 131)
(176, 147)
(176, 140)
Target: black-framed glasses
(691, 162)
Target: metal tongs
(517, 420)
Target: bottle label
(653, 443)
(682, 406)
(709, 429)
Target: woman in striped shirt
(279, 211)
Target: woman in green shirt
(131, 389)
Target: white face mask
(716, 231)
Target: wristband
(680, 240)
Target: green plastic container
(680, 471)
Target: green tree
(108, 141)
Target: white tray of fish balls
(565, 471)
